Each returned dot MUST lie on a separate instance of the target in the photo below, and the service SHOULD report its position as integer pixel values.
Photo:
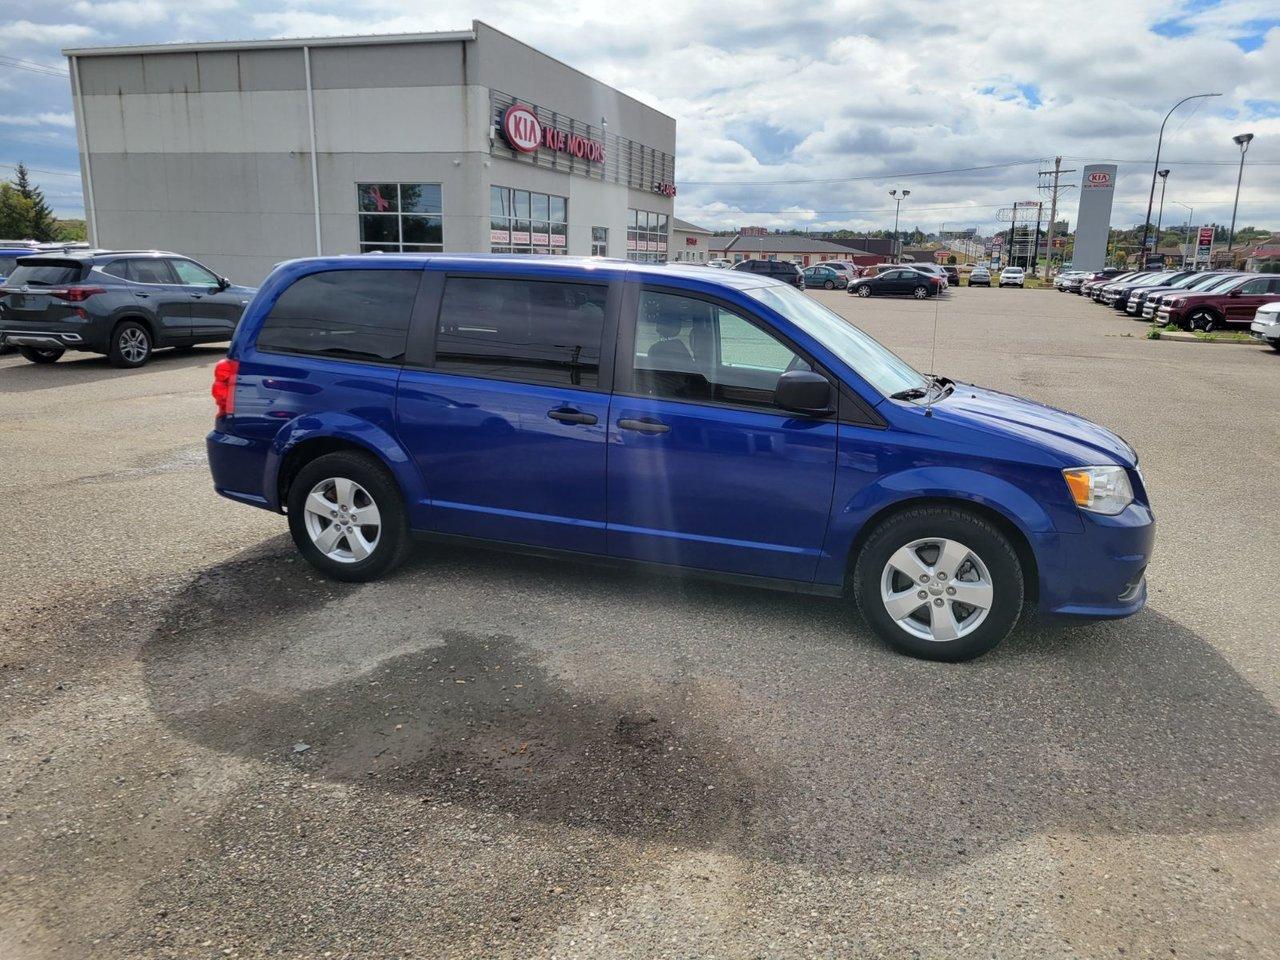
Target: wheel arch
(1015, 534)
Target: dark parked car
(898, 282)
(1118, 296)
(707, 422)
(121, 303)
(953, 275)
(783, 270)
(1211, 281)
(825, 277)
(1233, 302)
(1098, 277)
(1138, 299)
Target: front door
(704, 470)
(156, 287)
(507, 423)
(1242, 303)
(214, 312)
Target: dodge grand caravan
(720, 423)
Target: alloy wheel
(864, 291)
(133, 344)
(342, 520)
(920, 293)
(936, 589)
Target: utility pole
(1053, 191)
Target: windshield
(885, 371)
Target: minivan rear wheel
(940, 583)
(41, 354)
(347, 517)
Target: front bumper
(1268, 330)
(1099, 573)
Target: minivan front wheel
(130, 345)
(939, 583)
(347, 517)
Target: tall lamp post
(1243, 139)
(1164, 182)
(1186, 241)
(1146, 225)
(898, 197)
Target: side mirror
(803, 391)
(1234, 293)
(223, 283)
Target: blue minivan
(716, 423)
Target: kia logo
(521, 128)
(1097, 179)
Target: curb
(1183, 337)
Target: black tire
(983, 541)
(864, 291)
(41, 354)
(828, 285)
(392, 543)
(920, 293)
(130, 345)
(1204, 320)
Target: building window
(400, 217)
(525, 222)
(599, 241)
(646, 236)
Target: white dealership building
(244, 154)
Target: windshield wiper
(911, 393)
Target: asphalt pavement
(211, 751)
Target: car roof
(552, 266)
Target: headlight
(1100, 489)
(1177, 302)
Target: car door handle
(569, 415)
(141, 296)
(643, 426)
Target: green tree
(15, 213)
(42, 225)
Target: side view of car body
(1234, 301)
(825, 277)
(898, 282)
(721, 424)
(120, 303)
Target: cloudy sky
(801, 115)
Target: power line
(17, 63)
(47, 173)
(877, 176)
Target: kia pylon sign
(1093, 219)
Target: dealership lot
(209, 750)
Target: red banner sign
(526, 133)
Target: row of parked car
(1193, 300)
(122, 303)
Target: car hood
(1077, 441)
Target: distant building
(690, 241)
(796, 248)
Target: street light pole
(1243, 140)
(898, 197)
(1164, 182)
(1146, 224)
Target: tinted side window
(44, 274)
(534, 331)
(149, 271)
(192, 274)
(117, 268)
(1254, 286)
(351, 314)
(689, 349)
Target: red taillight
(77, 294)
(224, 386)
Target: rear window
(44, 273)
(534, 331)
(344, 314)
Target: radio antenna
(933, 350)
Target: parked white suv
(1265, 327)
(1013, 277)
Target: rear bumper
(238, 466)
(49, 337)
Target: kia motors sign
(525, 132)
(1093, 217)
(521, 128)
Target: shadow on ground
(766, 725)
(76, 369)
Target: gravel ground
(210, 751)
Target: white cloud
(66, 120)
